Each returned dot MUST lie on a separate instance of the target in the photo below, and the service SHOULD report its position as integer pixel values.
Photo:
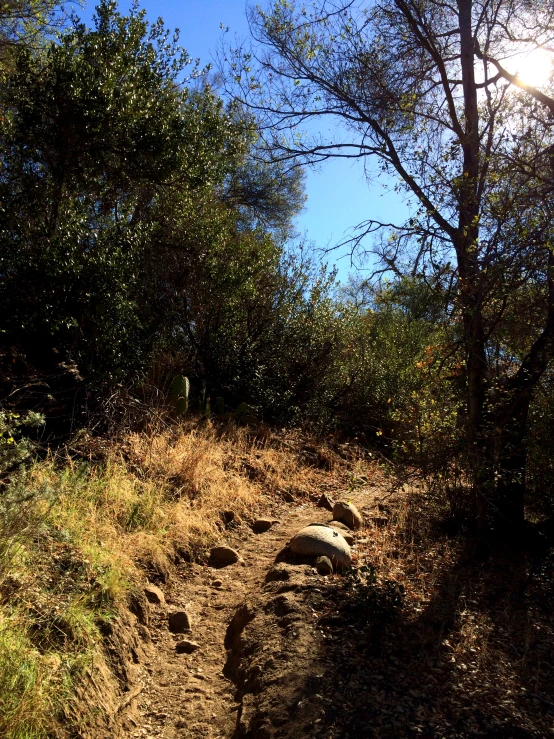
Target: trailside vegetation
(174, 358)
(421, 89)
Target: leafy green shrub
(14, 447)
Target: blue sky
(338, 196)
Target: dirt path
(188, 696)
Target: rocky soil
(260, 655)
(257, 643)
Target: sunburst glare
(535, 68)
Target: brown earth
(285, 652)
(197, 695)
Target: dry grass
(470, 654)
(102, 519)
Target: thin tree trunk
(511, 461)
(471, 291)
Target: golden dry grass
(106, 515)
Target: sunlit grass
(78, 536)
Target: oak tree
(428, 92)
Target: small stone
(324, 566)
(222, 556)
(154, 595)
(179, 622)
(261, 525)
(217, 583)
(348, 514)
(186, 647)
(325, 502)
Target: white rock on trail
(315, 541)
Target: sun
(535, 68)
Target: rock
(222, 556)
(179, 622)
(324, 566)
(340, 527)
(347, 513)
(315, 541)
(277, 573)
(217, 583)
(325, 502)
(344, 530)
(186, 647)
(154, 595)
(262, 525)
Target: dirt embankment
(238, 678)
(283, 651)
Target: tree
(420, 88)
(27, 23)
(134, 212)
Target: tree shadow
(476, 660)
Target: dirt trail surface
(229, 685)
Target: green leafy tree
(418, 88)
(138, 215)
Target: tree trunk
(471, 290)
(511, 416)
(511, 459)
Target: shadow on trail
(475, 661)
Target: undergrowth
(81, 531)
(474, 635)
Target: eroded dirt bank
(286, 652)
(208, 693)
